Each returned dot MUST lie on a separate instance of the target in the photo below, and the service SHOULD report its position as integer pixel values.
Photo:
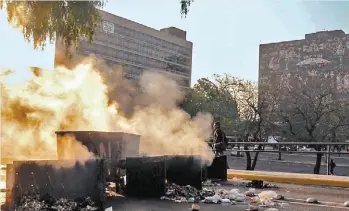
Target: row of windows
(144, 48)
(133, 72)
(109, 27)
(134, 58)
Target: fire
(77, 99)
(52, 100)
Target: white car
(306, 149)
(236, 153)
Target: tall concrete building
(140, 48)
(325, 52)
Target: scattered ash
(49, 203)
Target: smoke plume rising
(77, 99)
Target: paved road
(339, 159)
(290, 163)
(323, 194)
(156, 205)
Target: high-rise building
(139, 48)
(324, 53)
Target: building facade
(324, 53)
(139, 48)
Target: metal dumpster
(112, 146)
(60, 179)
(145, 176)
(185, 170)
(218, 168)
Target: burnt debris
(47, 202)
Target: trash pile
(190, 194)
(260, 185)
(47, 202)
(209, 183)
(112, 191)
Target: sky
(226, 34)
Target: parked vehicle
(235, 152)
(306, 149)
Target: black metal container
(60, 179)
(184, 170)
(111, 146)
(218, 168)
(145, 176)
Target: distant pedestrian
(219, 139)
(332, 166)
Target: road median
(294, 178)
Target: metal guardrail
(291, 143)
(328, 145)
(289, 152)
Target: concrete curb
(302, 179)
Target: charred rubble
(49, 203)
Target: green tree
(310, 111)
(208, 96)
(42, 21)
(251, 124)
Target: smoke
(77, 99)
(164, 128)
(71, 149)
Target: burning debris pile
(60, 100)
(190, 194)
(47, 202)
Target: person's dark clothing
(219, 139)
(332, 166)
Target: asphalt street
(293, 163)
(325, 195)
(157, 205)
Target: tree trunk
(318, 161)
(254, 161)
(248, 161)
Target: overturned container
(145, 176)
(218, 169)
(114, 147)
(67, 179)
(185, 170)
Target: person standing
(332, 166)
(219, 139)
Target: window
(108, 27)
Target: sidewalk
(294, 178)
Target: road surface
(332, 196)
(293, 163)
(156, 205)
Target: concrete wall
(324, 53)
